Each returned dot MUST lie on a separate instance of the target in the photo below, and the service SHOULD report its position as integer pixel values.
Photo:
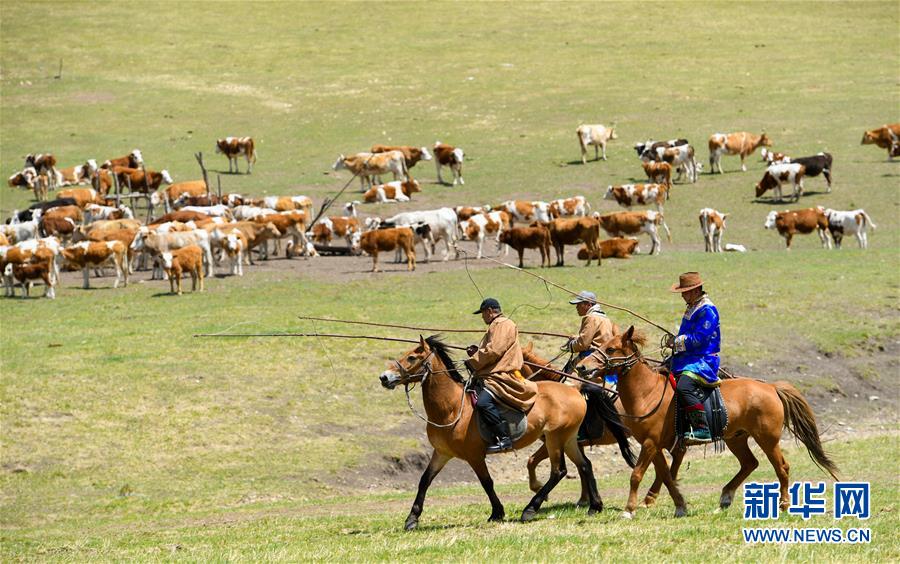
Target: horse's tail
(604, 408)
(800, 420)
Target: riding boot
(699, 431)
(503, 440)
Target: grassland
(125, 438)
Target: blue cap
(488, 303)
(584, 296)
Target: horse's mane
(440, 349)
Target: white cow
(527, 211)
(479, 226)
(596, 135)
(841, 223)
(712, 225)
(443, 224)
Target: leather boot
(503, 444)
(699, 431)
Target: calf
(176, 262)
(234, 243)
(234, 147)
(845, 222)
(791, 222)
(617, 247)
(441, 222)
(628, 195)
(87, 255)
(634, 223)
(712, 226)
(596, 135)
(572, 232)
(448, 155)
(886, 137)
(134, 159)
(369, 166)
(374, 242)
(741, 143)
(658, 172)
(526, 211)
(772, 157)
(412, 154)
(25, 273)
(535, 237)
(478, 227)
(396, 191)
(576, 206)
(782, 172)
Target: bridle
(625, 364)
(426, 371)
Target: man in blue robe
(696, 353)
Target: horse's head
(409, 368)
(617, 355)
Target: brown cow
(26, 272)
(177, 261)
(412, 154)
(617, 247)
(791, 222)
(24, 179)
(194, 188)
(257, 234)
(234, 147)
(133, 159)
(572, 231)
(87, 255)
(448, 155)
(465, 212)
(82, 196)
(290, 224)
(658, 172)
(73, 212)
(537, 236)
(138, 181)
(378, 240)
(634, 223)
(741, 143)
(183, 216)
(886, 137)
(57, 226)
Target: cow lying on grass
(617, 247)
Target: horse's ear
(422, 342)
(628, 334)
(529, 347)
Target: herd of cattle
(81, 230)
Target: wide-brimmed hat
(486, 304)
(687, 281)
(584, 296)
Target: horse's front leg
(484, 476)
(653, 493)
(435, 465)
(662, 469)
(648, 451)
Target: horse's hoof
(648, 502)
(594, 510)
(528, 514)
(411, 523)
(725, 501)
(680, 512)
(496, 518)
(582, 503)
(627, 515)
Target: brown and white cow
(465, 212)
(805, 221)
(782, 172)
(537, 236)
(448, 155)
(412, 154)
(82, 196)
(572, 231)
(234, 147)
(597, 135)
(140, 182)
(31, 251)
(86, 255)
(528, 212)
(772, 156)
(628, 195)
(24, 178)
(741, 143)
(234, 243)
(886, 137)
(658, 172)
(134, 159)
(289, 224)
(392, 238)
(177, 261)
(712, 226)
(335, 226)
(44, 164)
(478, 227)
(396, 191)
(176, 190)
(633, 223)
(576, 206)
(842, 223)
(80, 174)
(27, 272)
(370, 166)
(617, 247)
(58, 226)
(680, 158)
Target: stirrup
(697, 437)
(503, 444)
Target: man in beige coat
(496, 362)
(595, 328)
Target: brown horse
(755, 409)
(452, 431)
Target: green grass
(125, 438)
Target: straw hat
(687, 281)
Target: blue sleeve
(703, 333)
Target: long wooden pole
(412, 328)
(564, 289)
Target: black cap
(488, 303)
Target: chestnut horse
(755, 409)
(452, 431)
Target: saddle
(516, 421)
(716, 416)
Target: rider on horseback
(595, 329)
(496, 363)
(696, 353)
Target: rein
(629, 362)
(425, 373)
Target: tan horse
(452, 431)
(755, 409)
